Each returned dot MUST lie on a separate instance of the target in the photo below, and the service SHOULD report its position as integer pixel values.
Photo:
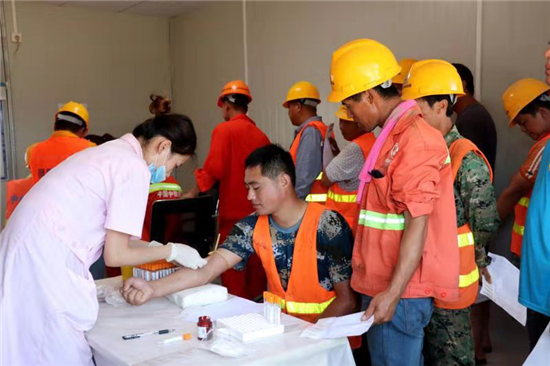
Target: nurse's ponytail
(177, 128)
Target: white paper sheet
(232, 307)
(327, 151)
(341, 326)
(505, 287)
(540, 354)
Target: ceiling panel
(151, 8)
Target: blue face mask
(158, 174)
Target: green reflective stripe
(345, 198)
(465, 240)
(306, 307)
(524, 202)
(318, 197)
(320, 176)
(518, 229)
(448, 160)
(381, 221)
(469, 279)
(164, 187)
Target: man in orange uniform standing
(342, 173)
(232, 141)
(71, 125)
(406, 250)
(526, 103)
(307, 148)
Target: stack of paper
(505, 287)
(337, 327)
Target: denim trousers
(400, 341)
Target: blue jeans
(400, 342)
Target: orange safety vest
(343, 201)
(318, 193)
(304, 297)
(381, 221)
(15, 191)
(47, 154)
(468, 272)
(520, 213)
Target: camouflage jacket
(475, 199)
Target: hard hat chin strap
(386, 84)
(310, 102)
(70, 119)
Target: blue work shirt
(534, 284)
(309, 158)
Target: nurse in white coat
(95, 198)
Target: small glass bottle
(204, 327)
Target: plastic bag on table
(224, 345)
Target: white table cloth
(286, 349)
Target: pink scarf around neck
(396, 114)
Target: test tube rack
(250, 327)
(154, 270)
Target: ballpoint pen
(140, 335)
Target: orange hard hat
(235, 87)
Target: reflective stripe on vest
(524, 201)
(465, 239)
(320, 197)
(469, 279)
(344, 198)
(448, 160)
(293, 307)
(317, 197)
(164, 187)
(382, 221)
(518, 229)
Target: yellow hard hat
(75, 108)
(358, 66)
(302, 90)
(520, 94)
(405, 64)
(432, 77)
(342, 113)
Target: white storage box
(199, 296)
(249, 327)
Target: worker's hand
(382, 306)
(334, 146)
(137, 291)
(186, 256)
(188, 195)
(485, 273)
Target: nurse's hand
(186, 256)
(136, 291)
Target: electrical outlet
(16, 37)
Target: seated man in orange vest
(71, 125)
(342, 173)
(309, 262)
(435, 85)
(307, 148)
(527, 104)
